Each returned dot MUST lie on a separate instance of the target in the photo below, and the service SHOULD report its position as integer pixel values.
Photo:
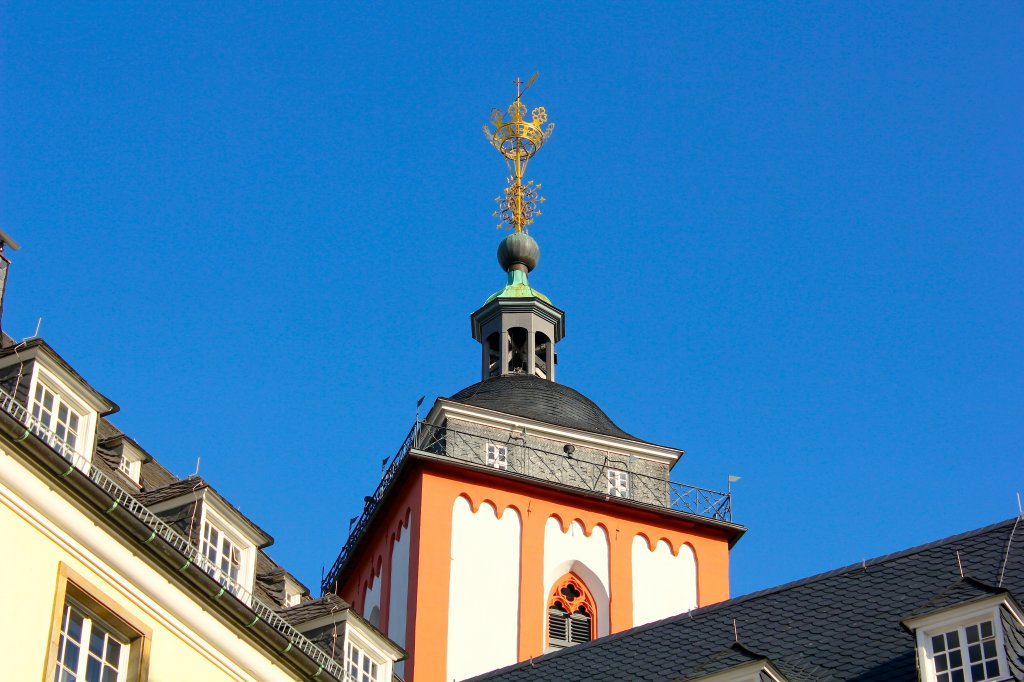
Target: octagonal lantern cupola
(518, 326)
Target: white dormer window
(966, 654)
(618, 483)
(57, 415)
(224, 555)
(361, 667)
(964, 643)
(130, 468)
(497, 456)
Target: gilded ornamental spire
(518, 140)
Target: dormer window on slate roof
(963, 632)
(62, 408)
(227, 540)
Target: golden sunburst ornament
(518, 140)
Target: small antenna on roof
(197, 466)
(958, 564)
(735, 632)
(1020, 511)
(418, 404)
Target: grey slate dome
(545, 401)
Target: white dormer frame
(293, 591)
(356, 630)
(88, 414)
(132, 458)
(943, 621)
(215, 515)
(745, 672)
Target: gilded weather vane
(518, 140)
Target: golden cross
(518, 82)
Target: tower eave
(535, 306)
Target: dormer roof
(187, 489)
(38, 349)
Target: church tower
(517, 518)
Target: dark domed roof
(545, 401)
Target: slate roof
(545, 401)
(314, 608)
(840, 625)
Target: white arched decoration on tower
(483, 591)
(664, 583)
(573, 551)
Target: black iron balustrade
(539, 464)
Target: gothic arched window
(571, 613)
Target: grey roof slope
(541, 400)
(314, 608)
(840, 625)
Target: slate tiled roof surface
(541, 400)
(314, 608)
(841, 625)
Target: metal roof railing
(536, 463)
(160, 528)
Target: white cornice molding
(444, 408)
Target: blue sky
(788, 240)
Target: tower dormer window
(55, 414)
(497, 456)
(618, 483)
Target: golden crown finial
(518, 140)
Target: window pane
(113, 652)
(992, 668)
(92, 670)
(972, 633)
(938, 643)
(986, 629)
(958, 675)
(953, 639)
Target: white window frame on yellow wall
(84, 619)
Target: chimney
(5, 241)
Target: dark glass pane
(986, 629)
(96, 643)
(571, 593)
(75, 625)
(992, 668)
(974, 653)
(953, 639)
(113, 652)
(977, 671)
(943, 677)
(972, 633)
(955, 659)
(958, 675)
(938, 643)
(71, 656)
(941, 664)
(92, 670)
(109, 674)
(990, 648)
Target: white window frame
(53, 421)
(958, 619)
(90, 623)
(98, 612)
(132, 468)
(246, 550)
(618, 483)
(87, 416)
(497, 456)
(365, 654)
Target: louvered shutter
(579, 627)
(558, 627)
